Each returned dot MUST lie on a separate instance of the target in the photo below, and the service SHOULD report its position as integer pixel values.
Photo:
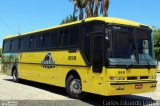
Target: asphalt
(29, 93)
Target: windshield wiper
(129, 66)
(146, 60)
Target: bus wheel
(15, 75)
(74, 87)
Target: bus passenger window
(46, 40)
(36, 42)
(64, 38)
(54, 37)
(6, 46)
(24, 43)
(15, 44)
(74, 35)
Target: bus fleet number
(121, 72)
(71, 57)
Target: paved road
(51, 95)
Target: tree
(105, 7)
(92, 8)
(0, 52)
(157, 44)
(70, 18)
(80, 4)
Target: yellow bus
(100, 55)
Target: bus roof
(110, 20)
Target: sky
(28, 15)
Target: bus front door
(97, 53)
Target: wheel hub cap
(76, 86)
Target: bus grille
(136, 78)
(131, 78)
(144, 77)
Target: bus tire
(15, 75)
(74, 87)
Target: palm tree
(91, 7)
(96, 7)
(70, 18)
(105, 7)
(81, 5)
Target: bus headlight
(111, 78)
(120, 78)
(116, 78)
(152, 77)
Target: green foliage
(157, 53)
(157, 44)
(70, 18)
(0, 52)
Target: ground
(29, 93)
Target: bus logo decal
(48, 61)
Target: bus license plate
(138, 86)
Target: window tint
(94, 28)
(86, 46)
(54, 36)
(35, 42)
(24, 43)
(98, 54)
(15, 44)
(64, 38)
(46, 40)
(6, 45)
(74, 35)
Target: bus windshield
(129, 46)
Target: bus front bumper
(127, 87)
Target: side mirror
(106, 42)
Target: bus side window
(35, 42)
(54, 39)
(15, 44)
(6, 46)
(73, 38)
(46, 41)
(32, 42)
(86, 46)
(24, 43)
(39, 40)
(64, 38)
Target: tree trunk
(105, 7)
(81, 14)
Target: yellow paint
(97, 83)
